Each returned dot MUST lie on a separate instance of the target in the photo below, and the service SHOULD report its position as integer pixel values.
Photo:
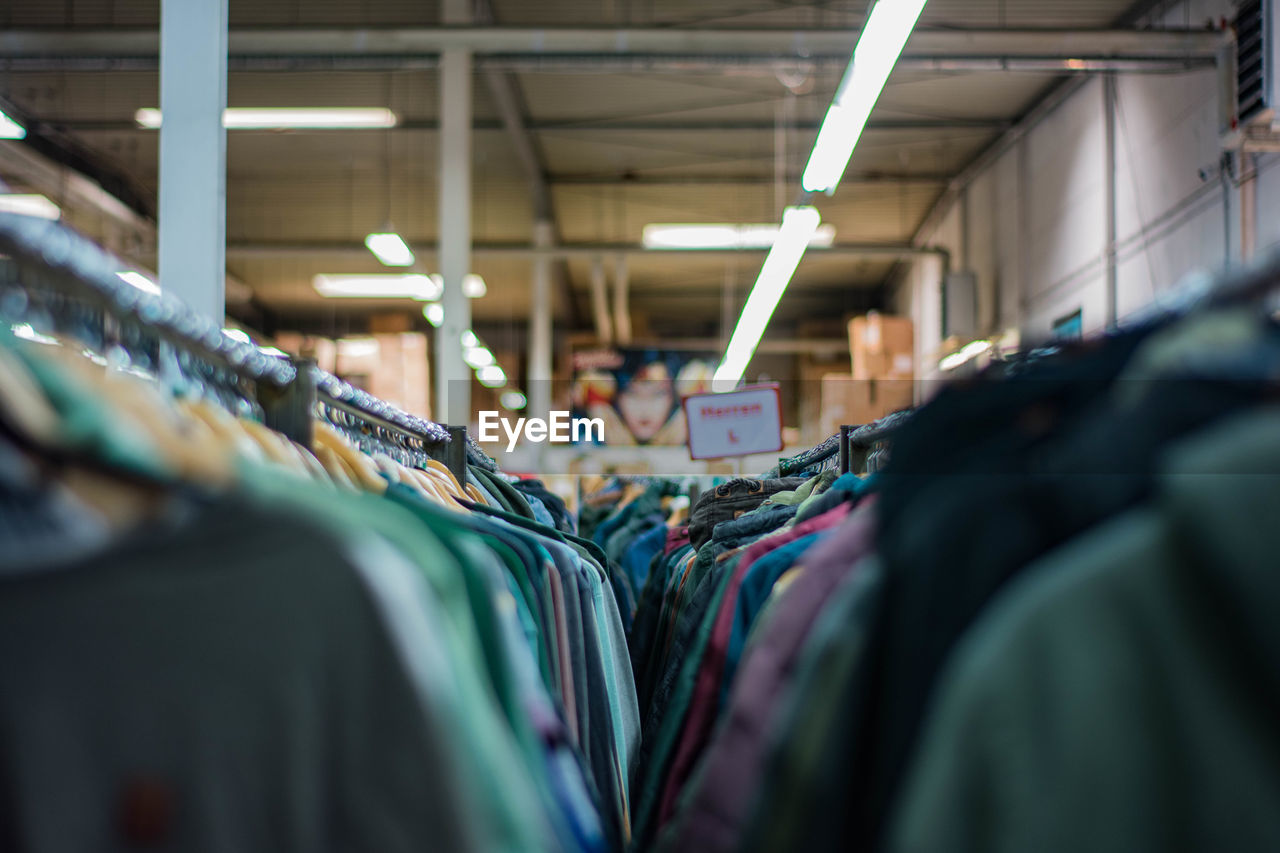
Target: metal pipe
(1109, 106)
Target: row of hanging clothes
(1045, 622)
(217, 635)
(628, 517)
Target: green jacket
(1124, 694)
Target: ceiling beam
(751, 65)
(508, 100)
(655, 41)
(508, 251)
(567, 126)
(633, 179)
(122, 197)
(638, 49)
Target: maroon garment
(705, 701)
(720, 794)
(676, 537)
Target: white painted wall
(1037, 215)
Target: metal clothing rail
(54, 258)
(447, 444)
(858, 440)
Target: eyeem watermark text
(561, 428)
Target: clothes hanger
(225, 425)
(336, 469)
(363, 470)
(22, 401)
(440, 468)
(191, 449)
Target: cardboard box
(882, 347)
(846, 400)
(891, 395)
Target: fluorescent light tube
(964, 356)
(491, 376)
(723, 236)
(358, 347)
(390, 248)
(287, 118)
(798, 227)
(473, 286)
(28, 333)
(478, 357)
(29, 205)
(419, 287)
(139, 281)
(881, 43)
(10, 129)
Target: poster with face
(637, 392)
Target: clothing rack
(52, 259)
(859, 440)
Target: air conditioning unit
(1254, 117)
(1255, 62)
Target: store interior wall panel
(1066, 204)
(1172, 135)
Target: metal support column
(193, 153)
(621, 302)
(540, 316)
(1248, 206)
(1109, 97)
(453, 377)
(600, 302)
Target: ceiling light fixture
(358, 347)
(29, 204)
(798, 227)
(139, 281)
(339, 286)
(390, 248)
(10, 129)
(883, 38)
(964, 356)
(491, 376)
(473, 286)
(723, 236)
(289, 118)
(434, 313)
(478, 357)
